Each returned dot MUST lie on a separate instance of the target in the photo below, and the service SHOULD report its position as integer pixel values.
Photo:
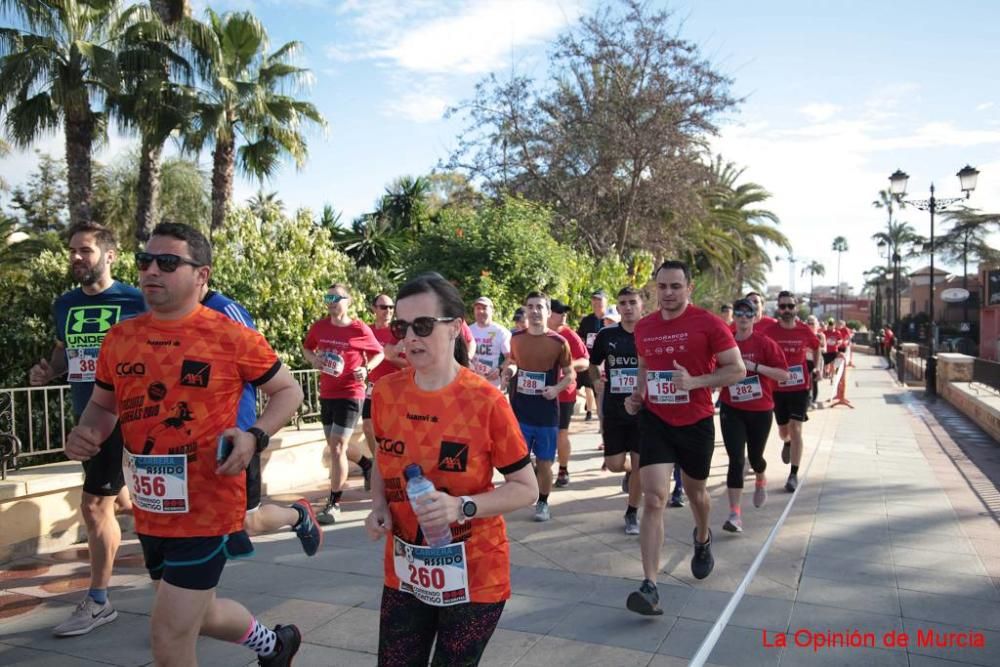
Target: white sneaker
(542, 511)
(88, 615)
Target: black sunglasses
(786, 306)
(382, 306)
(422, 326)
(743, 313)
(168, 263)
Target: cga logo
(391, 447)
(126, 369)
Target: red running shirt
(692, 340)
(348, 343)
(384, 336)
(758, 349)
(577, 350)
(796, 343)
(177, 386)
(459, 435)
(832, 339)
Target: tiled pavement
(894, 530)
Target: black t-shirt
(615, 348)
(589, 326)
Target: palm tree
(840, 247)
(266, 206)
(901, 241)
(814, 269)
(243, 111)
(875, 278)
(969, 234)
(52, 73)
(329, 219)
(405, 203)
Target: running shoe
(89, 614)
(307, 528)
(734, 524)
(631, 524)
(625, 481)
(328, 515)
(760, 494)
(542, 511)
(702, 562)
(792, 483)
(588, 416)
(677, 499)
(646, 600)
(289, 640)
(562, 478)
(786, 452)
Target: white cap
(611, 313)
(484, 300)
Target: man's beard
(90, 275)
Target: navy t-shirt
(247, 413)
(615, 348)
(82, 321)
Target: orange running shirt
(458, 435)
(177, 386)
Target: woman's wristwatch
(466, 510)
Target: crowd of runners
(164, 386)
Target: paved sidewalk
(895, 528)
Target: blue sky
(838, 95)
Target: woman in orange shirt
(458, 428)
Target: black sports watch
(468, 509)
(263, 439)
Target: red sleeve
(509, 452)
(312, 338)
(366, 340)
(566, 356)
(257, 361)
(775, 355)
(577, 348)
(720, 338)
(469, 338)
(813, 340)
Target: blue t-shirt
(82, 321)
(247, 413)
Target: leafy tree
(42, 202)
(329, 219)
(611, 141)
(52, 73)
(244, 113)
(839, 246)
(266, 206)
(404, 205)
(450, 189)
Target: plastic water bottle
(418, 486)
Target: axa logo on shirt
(126, 369)
(453, 456)
(195, 373)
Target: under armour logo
(102, 317)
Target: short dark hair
(198, 245)
(671, 264)
(726, 306)
(381, 294)
(629, 290)
(752, 293)
(104, 237)
(539, 295)
(785, 294)
(449, 299)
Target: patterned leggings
(408, 627)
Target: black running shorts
(102, 474)
(339, 415)
(690, 447)
(790, 405)
(620, 435)
(194, 563)
(565, 415)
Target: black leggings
(407, 629)
(815, 385)
(743, 430)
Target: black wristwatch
(263, 439)
(468, 509)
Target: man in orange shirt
(173, 379)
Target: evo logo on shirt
(453, 456)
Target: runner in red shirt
(791, 398)
(762, 320)
(746, 410)
(683, 352)
(567, 397)
(345, 350)
(832, 337)
(813, 325)
(459, 428)
(174, 377)
(383, 308)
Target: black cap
(519, 314)
(559, 307)
(744, 304)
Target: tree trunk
(224, 164)
(79, 141)
(147, 210)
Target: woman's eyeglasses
(743, 313)
(168, 263)
(334, 298)
(422, 326)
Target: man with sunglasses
(492, 341)
(792, 397)
(345, 351)
(179, 371)
(83, 317)
(383, 308)
(683, 352)
(537, 357)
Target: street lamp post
(897, 186)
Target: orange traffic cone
(841, 397)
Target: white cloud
(418, 107)
(819, 111)
(984, 106)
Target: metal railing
(986, 375)
(35, 421)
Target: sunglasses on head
(786, 306)
(422, 326)
(743, 313)
(383, 306)
(334, 298)
(167, 262)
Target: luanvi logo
(162, 343)
(453, 457)
(195, 373)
